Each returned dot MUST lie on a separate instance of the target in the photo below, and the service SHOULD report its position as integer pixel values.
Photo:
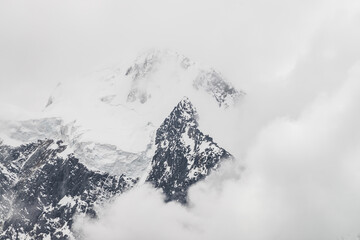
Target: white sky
(44, 42)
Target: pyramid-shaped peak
(184, 155)
(185, 109)
(186, 104)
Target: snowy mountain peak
(165, 71)
(185, 110)
(184, 155)
(109, 118)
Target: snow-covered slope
(126, 106)
(109, 118)
(96, 155)
(162, 74)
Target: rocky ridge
(42, 190)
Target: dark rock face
(184, 155)
(41, 191)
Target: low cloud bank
(301, 182)
(298, 138)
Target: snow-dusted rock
(41, 191)
(184, 155)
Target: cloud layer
(301, 182)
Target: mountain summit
(159, 69)
(184, 155)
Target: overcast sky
(44, 42)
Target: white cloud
(301, 182)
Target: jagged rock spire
(184, 155)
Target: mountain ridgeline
(83, 152)
(42, 189)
